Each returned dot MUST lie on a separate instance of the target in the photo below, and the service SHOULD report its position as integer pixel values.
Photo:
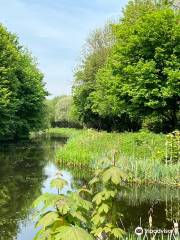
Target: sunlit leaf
(79, 216)
(118, 232)
(72, 233)
(47, 219)
(103, 208)
(46, 200)
(59, 183)
(114, 174)
(43, 234)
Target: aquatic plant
(141, 154)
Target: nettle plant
(71, 216)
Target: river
(26, 170)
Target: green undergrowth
(141, 154)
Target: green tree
(60, 112)
(98, 47)
(50, 110)
(141, 77)
(63, 109)
(22, 92)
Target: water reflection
(135, 201)
(26, 170)
(23, 174)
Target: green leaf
(98, 198)
(94, 181)
(118, 232)
(85, 190)
(104, 195)
(79, 201)
(97, 219)
(43, 234)
(46, 200)
(63, 205)
(47, 219)
(103, 208)
(114, 174)
(59, 183)
(109, 194)
(72, 233)
(79, 216)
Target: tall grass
(142, 154)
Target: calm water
(26, 170)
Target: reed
(141, 154)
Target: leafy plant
(62, 216)
(173, 147)
(65, 216)
(141, 154)
(106, 185)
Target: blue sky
(55, 31)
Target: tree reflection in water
(21, 179)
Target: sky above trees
(55, 32)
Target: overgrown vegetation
(142, 154)
(88, 213)
(69, 218)
(22, 92)
(129, 77)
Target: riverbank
(142, 155)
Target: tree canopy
(138, 84)
(22, 91)
(98, 47)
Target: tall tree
(98, 47)
(142, 77)
(22, 91)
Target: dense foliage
(69, 217)
(149, 157)
(137, 83)
(60, 112)
(22, 92)
(99, 45)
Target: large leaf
(77, 200)
(40, 200)
(79, 216)
(43, 234)
(115, 174)
(72, 233)
(63, 205)
(46, 200)
(104, 195)
(47, 219)
(103, 208)
(118, 232)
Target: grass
(142, 154)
